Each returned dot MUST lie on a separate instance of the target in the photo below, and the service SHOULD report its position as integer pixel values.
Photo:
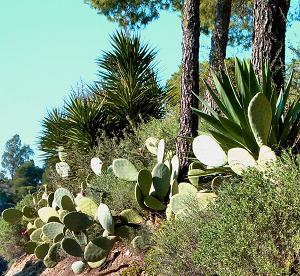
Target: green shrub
(11, 237)
(252, 229)
(256, 227)
(116, 193)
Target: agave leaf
(217, 100)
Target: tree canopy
(15, 155)
(134, 14)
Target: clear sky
(48, 46)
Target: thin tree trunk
(219, 41)
(189, 82)
(270, 17)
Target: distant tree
(26, 179)
(15, 154)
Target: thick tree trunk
(270, 17)
(189, 82)
(219, 41)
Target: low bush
(116, 193)
(252, 229)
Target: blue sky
(48, 46)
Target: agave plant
(252, 112)
(128, 81)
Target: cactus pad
(139, 197)
(154, 203)
(87, 205)
(41, 250)
(81, 238)
(42, 203)
(145, 181)
(98, 248)
(47, 212)
(52, 229)
(29, 247)
(49, 263)
(187, 188)
(208, 151)
(240, 159)
(36, 235)
(131, 216)
(125, 170)
(58, 195)
(78, 267)
(160, 151)
(29, 212)
(161, 180)
(63, 169)
(50, 199)
(71, 247)
(105, 218)
(96, 165)
(12, 215)
(151, 145)
(67, 203)
(97, 264)
(76, 221)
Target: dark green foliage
(252, 229)
(26, 178)
(3, 266)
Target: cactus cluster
(58, 224)
(213, 159)
(152, 189)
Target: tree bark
(219, 41)
(189, 82)
(270, 18)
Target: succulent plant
(78, 267)
(152, 189)
(105, 218)
(124, 169)
(63, 169)
(98, 248)
(214, 159)
(188, 195)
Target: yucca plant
(252, 113)
(52, 135)
(128, 81)
(79, 123)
